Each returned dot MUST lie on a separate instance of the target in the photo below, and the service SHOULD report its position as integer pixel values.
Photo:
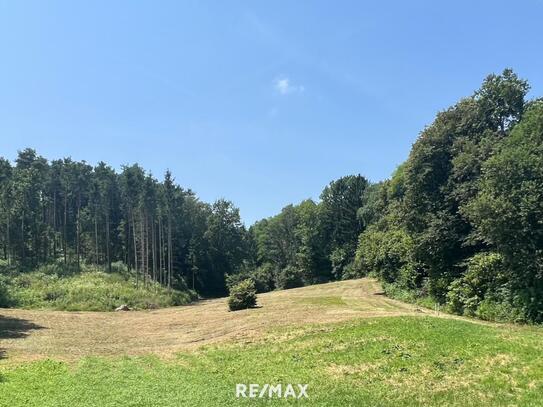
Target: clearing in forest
(71, 335)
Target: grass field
(346, 341)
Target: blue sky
(262, 103)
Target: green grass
(90, 290)
(401, 361)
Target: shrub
(4, 294)
(242, 295)
(289, 277)
(340, 258)
(502, 311)
(483, 279)
(119, 267)
(263, 278)
(352, 270)
(232, 280)
(388, 254)
(461, 298)
(58, 269)
(417, 296)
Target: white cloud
(284, 86)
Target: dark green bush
(263, 278)
(340, 258)
(499, 311)
(461, 298)
(418, 296)
(242, 295)
(352, 270)
(232, 280)
(482, 285)
(4, 294)
(289, 277)
(388, 254)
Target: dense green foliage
(403, 361)
(72, 213)
(242, 295)
(460, 221)
(89, 290)
(312, 242)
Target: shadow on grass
(15, 328)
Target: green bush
(340, 258)
(89, 291)
(263, 278)
(4, 294)
(59, 269)
(289, 277)
(232, 280)
(119, 267)
(482, 280)
(500, 311)
(352, 270)
(242, 295)
(388, 254)
(461, 298)
(417, 296)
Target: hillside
(70, 335)
(88, 290)
(345, 340)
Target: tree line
(460, 222)
(71, 212)
(461, 219)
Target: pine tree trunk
(95, 235)
(135, 249)
(55, 226)
(8, 240)
(107, 243)
(160, 252)
(142, 249)
(170, 260)
(153, 247)
(65, 239)
(77, 231)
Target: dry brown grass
(36, 334)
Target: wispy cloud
(284, 86)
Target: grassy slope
(397, 360)
(91, 290)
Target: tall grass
(51, 287)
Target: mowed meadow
(253, 203)
(348, 342)
(456, 229)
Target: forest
(459, 223)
